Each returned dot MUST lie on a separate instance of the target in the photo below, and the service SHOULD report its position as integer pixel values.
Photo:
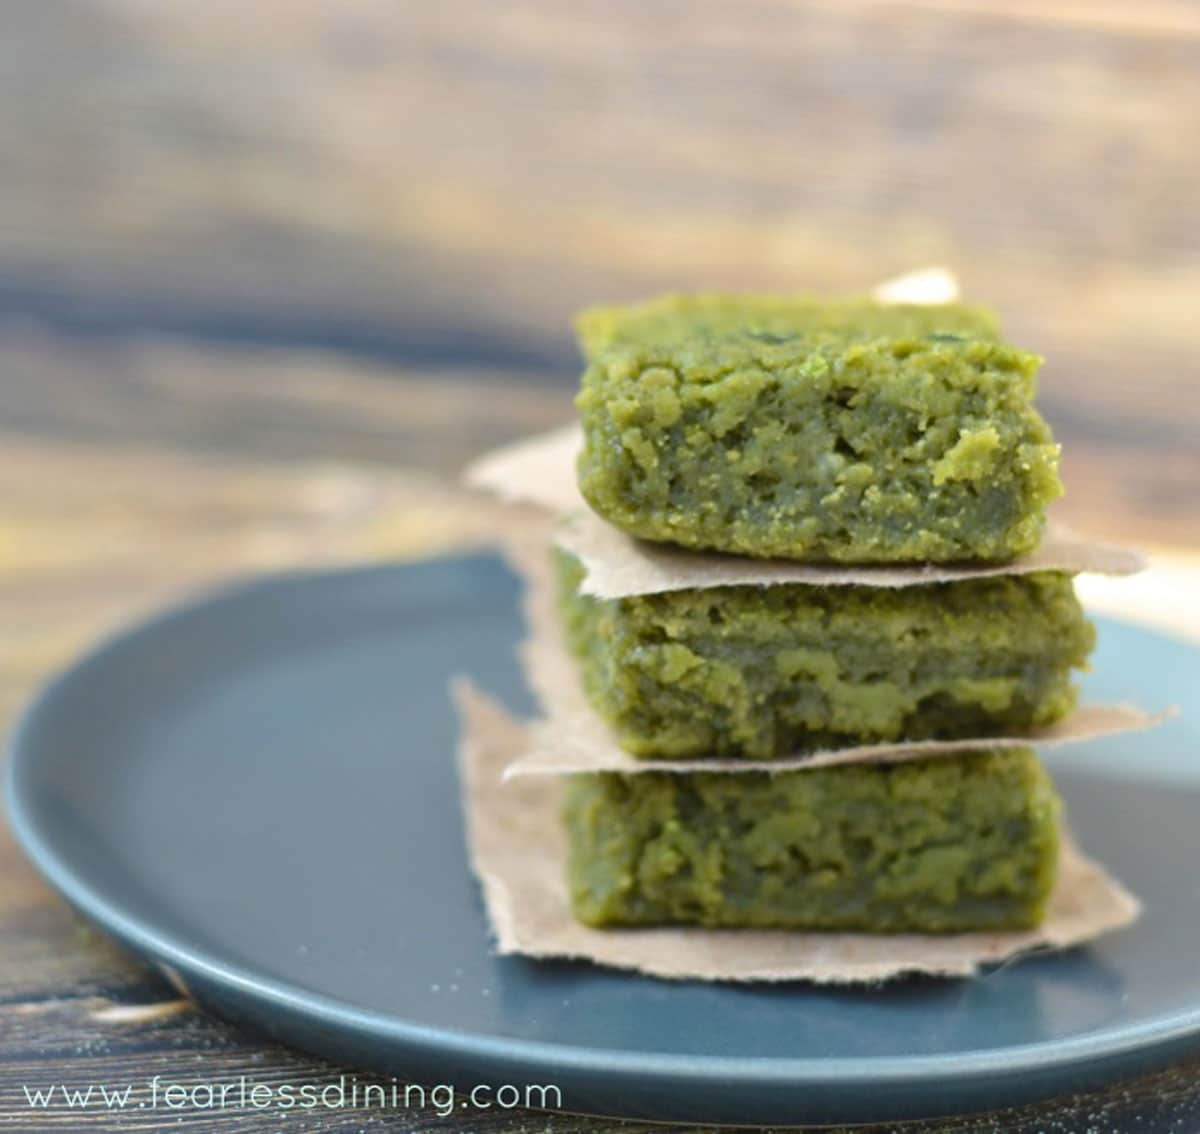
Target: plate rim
(1162, 1035)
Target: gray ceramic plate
(258, 792)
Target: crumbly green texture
(762, 672)
(847, 430)
(948, 844)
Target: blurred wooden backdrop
(428, 190)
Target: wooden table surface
(271, 273)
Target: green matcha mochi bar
(847, 430)
(762, 672)
(947, 844)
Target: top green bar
(849, 430)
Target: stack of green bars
(847, 432)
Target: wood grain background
(271, 271)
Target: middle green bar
(765, 672)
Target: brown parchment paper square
(541, 471)
(572, 737)
(517, 849)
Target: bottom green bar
(939, 845)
